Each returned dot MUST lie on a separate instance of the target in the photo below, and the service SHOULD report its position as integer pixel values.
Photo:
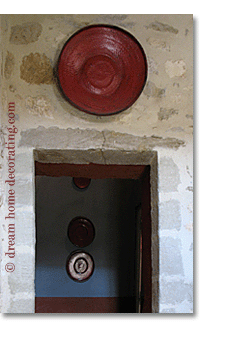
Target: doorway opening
(118, 204)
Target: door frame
(149, 224)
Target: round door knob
(80, 266)
(81, 232)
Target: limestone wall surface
(160, 120)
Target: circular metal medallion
(81, 232)
(80, 266)
(102, 69)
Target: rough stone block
(184, 307)
(169, 176)
(165, 114)
(152, 91)
(175, 68)
(56, 138)
(21, 279)
(24, 191)
(175, 292)
(24, 163)
(22, 306)
(36, 69)
(169, 215)
(24, 227)
(26, 33)
(170, 256)
(162, 27)
(39, 106)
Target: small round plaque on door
(81, 183)
(80, 266)
(81, 232)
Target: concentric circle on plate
(80, 266)
(102, 69)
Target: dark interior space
(113, 207)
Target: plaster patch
(175, 68)
(162, 27)
(36, 69)
(152, 91)
(166, 113)
(39, 106)
(9, 65)
(170, 215)
(26, 33)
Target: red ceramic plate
(81, 232)
(102, 70)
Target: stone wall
(160, 120)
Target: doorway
(118, 203)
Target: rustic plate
(81, 232)
(80, 266)
(102, 70)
